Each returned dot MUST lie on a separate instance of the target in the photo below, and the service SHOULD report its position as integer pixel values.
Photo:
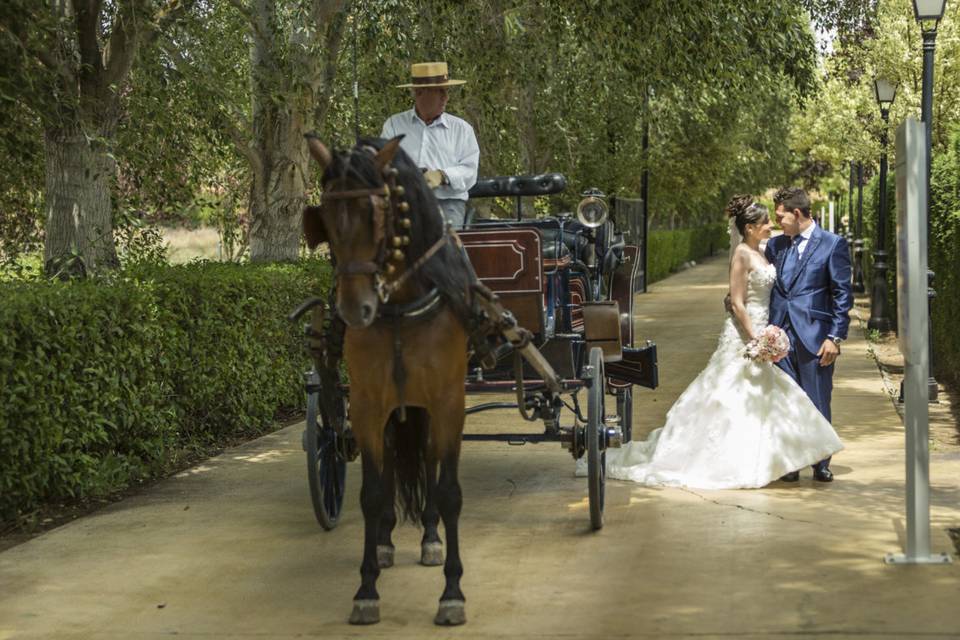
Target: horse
(402, 290)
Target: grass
(184, 245)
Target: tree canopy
(216, 95)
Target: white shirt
(448, 143)
(805, 235)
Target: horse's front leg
(450, 500)
(366, 604)
(388, 515)
(431, 549)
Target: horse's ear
(385, 156)
(313, 227)
(318, 150)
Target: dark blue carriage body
(546, 270)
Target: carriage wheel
(596, 459)
(625, 412)
(326, 466)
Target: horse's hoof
(431, 554)
(384, 556)
(451, 613)
(365, 612)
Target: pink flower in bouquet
(771, 345)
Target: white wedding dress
(738, 425)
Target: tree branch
(40, 54)
(332, 50)
(121, 50)
(232, 124)
(87, 16)
(255, 23)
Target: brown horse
(402, 287)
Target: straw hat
(430, 74)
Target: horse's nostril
(366, 312)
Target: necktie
(790, 262)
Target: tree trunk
(278, 194)
(79, 229)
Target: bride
(739, 424)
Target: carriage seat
(500, 186)
(571, 243)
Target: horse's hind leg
(450, 500)
(366, 604)
(431, 549)
(388, 516)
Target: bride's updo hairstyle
(743, 210)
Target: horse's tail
(411, 464)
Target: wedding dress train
(738, 425)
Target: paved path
(229, 549)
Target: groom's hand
(727, 304)
(828, 353)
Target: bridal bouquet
(771, 345)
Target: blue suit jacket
(819, 297)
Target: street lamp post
(886, 92)
(849, 223)
(926, 11)
(858, 242)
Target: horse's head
(363, 219)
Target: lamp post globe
(924, 10)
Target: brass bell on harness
(405, 222)
(405, 240)
(397, 255)
(404, 207)
(399, 190)
(397, 241)
(390, 269)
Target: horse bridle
(391, 229)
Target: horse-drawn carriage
(569, 280)
(545, 306)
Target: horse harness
(391, 228)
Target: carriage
(560, 290)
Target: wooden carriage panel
(510, 263)
(626, 283)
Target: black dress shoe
(793, 476)
(823, 475)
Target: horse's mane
(447, 270)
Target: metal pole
(644, 184)
(878, 298)
(858, 243)
(911, 266)
(847, 233)
(926, 115)
(356, 85)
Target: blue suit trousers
(816, 381)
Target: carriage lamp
(592, 210)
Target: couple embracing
(745, 422)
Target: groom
(811, 301)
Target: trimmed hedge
(944, 256)
(104, 383)
(670, 249)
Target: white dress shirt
(448, 143)
(805, 235)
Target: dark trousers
(816, 381)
